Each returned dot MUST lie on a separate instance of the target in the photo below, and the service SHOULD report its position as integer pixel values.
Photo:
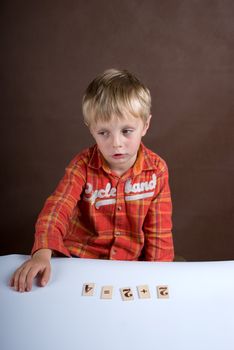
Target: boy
(114, 200)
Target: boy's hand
(39, 263)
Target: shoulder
(83, 157)
(77, 168)
(80, 162)
(153, 161)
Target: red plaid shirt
(93, 213)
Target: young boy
(114, 200)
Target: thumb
(45, 276)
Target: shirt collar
(144, 160)
(95, 161)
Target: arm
(158, 223)
(54, 219)
(51, 227)
(39, 263)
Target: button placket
(117, 210)
(113, 252)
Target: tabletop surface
(197, 313)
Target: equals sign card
(107, 292)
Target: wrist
(43, 253)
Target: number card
(126, 294)
(143, 292)
(163, 292)
(88, 289)
(107, 292)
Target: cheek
(132, 143)
(102, 145)
(135, 139)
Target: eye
(127, 131)
(103, 133)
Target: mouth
(118, 156)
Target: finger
(45, 276)
(32, 273)
(22, 278)
(15, 278)
(21, 281)
(11, 281)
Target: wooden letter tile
(88, 289)
(107, 292)
(163, 292)
(126, 293)
(143, 292)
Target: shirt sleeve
(158, 223)
(53, 220)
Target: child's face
(118, 140)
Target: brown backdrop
(184, 52)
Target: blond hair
(113, 94)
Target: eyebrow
(128, 127)
(102, 129)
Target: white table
(199, 313)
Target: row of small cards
(127, 292)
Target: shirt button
(117, 234)
(119, 207)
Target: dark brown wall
(184, 52)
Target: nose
(116, 141)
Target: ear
(146, 126)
